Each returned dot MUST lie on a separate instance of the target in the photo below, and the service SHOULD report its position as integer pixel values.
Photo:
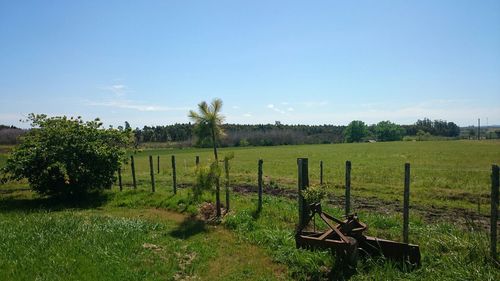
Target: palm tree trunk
(217, 180)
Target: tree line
(277, 134)
(280, 134)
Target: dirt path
(232, 260)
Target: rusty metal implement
(346, 238)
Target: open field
(450, 174)
(138, 235)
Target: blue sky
(307, 62)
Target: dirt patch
(462, 217)
(149, 214)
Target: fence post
(158, 163)
(321, 172)
(347, 187)
(197, 160)
(406, 203)
(303, 183)
(226, 169)
(132, 165)
(151, 170)
(259, 179)
(174, 176)
(494, 211)
(120, 178)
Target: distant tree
(64, 156)
(497, 133)
(11, 135)
(388, 131)
(355, 131)
(208, 122)
(423, 136)
(472, 133)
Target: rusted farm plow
(345, 237)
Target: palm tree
(208, 121)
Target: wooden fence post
(321, 172)
(494, 211)
(120, 178)
(158, 163)
(347, 187)
(226, 169)
(197, 160)
(174, 176)
(152, 172)
(132, 165)
(303, 183)
(259, 179)
(406, 204)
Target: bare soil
(462, 217)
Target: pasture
(444, 174)
(140, 235)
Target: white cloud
(274, 108)
(235, 107)
(118, 90)
(128, 104)
(315, 104)
(247, 115)
(119, 100)
(290, 109)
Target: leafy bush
(63, 156)
(314, 194)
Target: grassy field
(139, 235)
(130, 235)
(452, 174)
(110, 243)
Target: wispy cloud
(128, 104)
(118, 100)
(235, 107)
(276, 109)
(247, 115)
(315, 103)
(118, 90)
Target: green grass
(46, 240)
(452, 174)
(110, 243)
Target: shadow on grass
(256, 213)
(23, 204)
(341, 271)
(188, 227)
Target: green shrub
(63, 156)
(206, 175)
(314, 194)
